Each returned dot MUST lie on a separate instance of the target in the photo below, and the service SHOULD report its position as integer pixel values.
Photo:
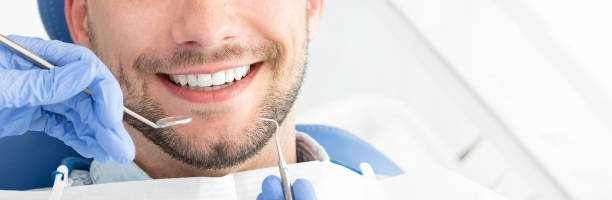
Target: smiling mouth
(211, 82)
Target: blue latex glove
(272, 189)
(53, 101)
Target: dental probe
(23, 52)
(282, 164)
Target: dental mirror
(173, 121)
(23, 52)
(161, 123)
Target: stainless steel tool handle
(286, 182)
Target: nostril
(190, 43)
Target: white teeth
(229, 75)
(238, 73)
(244, 70)
(182, 79)
(218, 78)
(192, 80)
(207, 80)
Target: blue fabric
(349, 150)
(54, 19)
(112, 172)
(27, 160)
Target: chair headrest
(54, 19)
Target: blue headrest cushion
(54, 19)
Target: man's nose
(206, 23)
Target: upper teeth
(206, 80)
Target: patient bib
(330, 181)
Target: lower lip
(208, 97)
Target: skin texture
(139, 40)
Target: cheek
(279, 20)
(123, 31)
(128, 28)
(284, 22)
(131, 83)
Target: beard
(277, 102)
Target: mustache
(183, 58)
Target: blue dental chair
(27, 161)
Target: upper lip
(209, 68)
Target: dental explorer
(282, 164)
(23, 52)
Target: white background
(514, 94)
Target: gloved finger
(88, 150)
(272, 188)
(20, 120)
(303, 190)
(60, 127)
(44, 87)
(108, 106)
(107, 97)
(114, 141)
(60, 124)
(53, 51)
(11, 60)
(260, 196)
(118, 144)
(63, 55)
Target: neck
(158, 164)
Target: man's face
(185, 57)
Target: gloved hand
(53, 101)
(272, 189)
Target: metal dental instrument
(23, 52)
(282, 164)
